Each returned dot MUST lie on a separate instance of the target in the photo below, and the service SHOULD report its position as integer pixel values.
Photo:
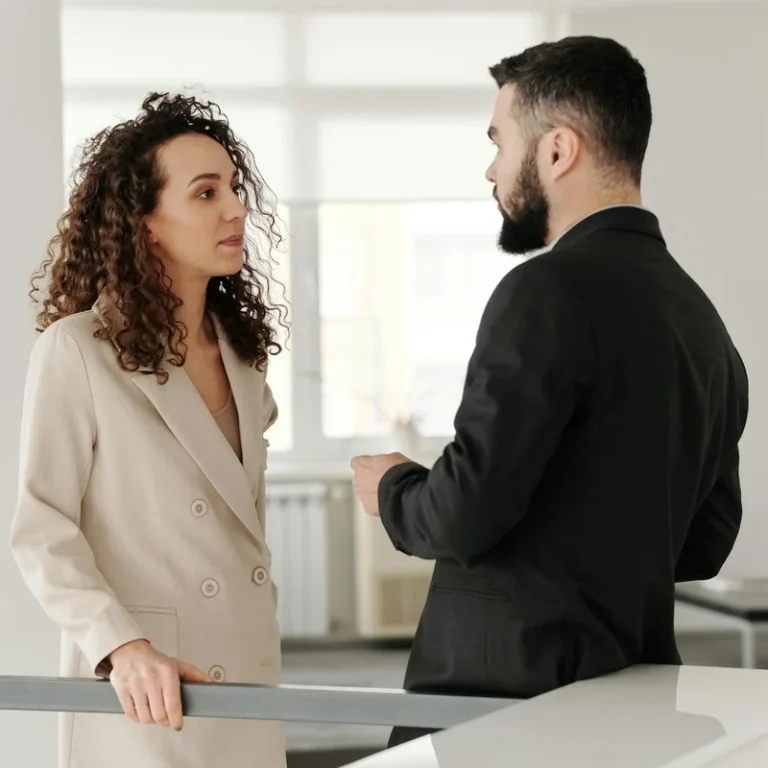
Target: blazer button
(218, 674)
(210, 588)
(199, 508)
(260, 575)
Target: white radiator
(297, 535)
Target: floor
(701, 642)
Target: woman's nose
(235, 208)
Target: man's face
(517, 185)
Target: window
(402, 290)
(277, 267)
(433, 49)
(404, 158)
(128, 47)
(265, 129)
(378, 164)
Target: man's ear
(562, 149)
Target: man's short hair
(592, 85)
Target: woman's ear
(151, 237)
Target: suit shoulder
(75, 332)
(535, 296)
(533, 277)
(80, 327)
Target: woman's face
(197, 228)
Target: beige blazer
(135, 519)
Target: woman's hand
(148, 683)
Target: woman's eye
(239, 190)
(206, 194)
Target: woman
(140, 522)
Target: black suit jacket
(595, 463)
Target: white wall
(30, 201)
(707, 179)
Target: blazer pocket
(159, 625)
(480, 594)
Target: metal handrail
(296, 703)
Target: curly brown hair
(102, 251)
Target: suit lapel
(186, 415)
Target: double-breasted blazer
(135, 519)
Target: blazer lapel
(242, 380)
(183, 410)
(179, 404)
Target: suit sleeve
(533, 355)
(713, 530)
(58, 433)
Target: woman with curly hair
(140, 522)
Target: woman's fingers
(191, 674)
(141, 703)
(148, 684)
(126, 702)
(171, 690)
(156, 698)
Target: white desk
(643, 717)
(745, 609)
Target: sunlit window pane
(402, 290)
(280, 365)
(265, 129)
(404, 158)
(171, 48)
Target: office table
(745, 609)
(642, 717)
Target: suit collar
(183, 410)
(626, 218)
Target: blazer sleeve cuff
(116, 628)
(390, 499)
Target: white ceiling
(390, 5)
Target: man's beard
(525, 212)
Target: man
(595, 457)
